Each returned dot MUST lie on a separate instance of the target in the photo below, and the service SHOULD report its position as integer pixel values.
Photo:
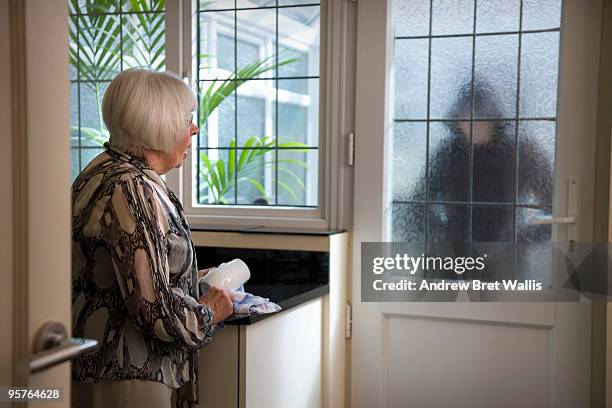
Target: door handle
(548, 221)
(53, 346)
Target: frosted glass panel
(448, 223)
(541, 14)
(536, 162)
(492, 223)
(539, 72)
(494, 16)
(494, 162)
(451, 75)
(411, 78)
(413, 16)
(408, 222)
(495, 76)
(452, 17)
(449, 160)
(409, 161)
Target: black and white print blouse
(133, 277)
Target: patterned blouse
(133, 278)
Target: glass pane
(251, 175)
(216, 4)
(412, 18)
(303, 108)
(452, 17)
(409, 161)
(73, 44)
(536, 162)
(251, 120)
(495, 76)
(144, 41)
(255, 3)
(299, 31)
(99, 47)
(218, 128)
(408, 222)
(248, 54)
(451, 73)
(494, 16)
(297, 177)
(541, 14)
(535, 248)
(143, 5)
(296, 62)
(539, 72)
(216, 181)
(217, 47)
(93, 129)
(292, 2)
(449, 160)
(74, 114)
(526, 231)
(493, 164)
(492, 223)
(448, 223)
(410, 65)
(92, 7)
(74, 164)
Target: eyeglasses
(191, 116)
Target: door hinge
(350, 149)
(349, 321)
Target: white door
(34, 96)
(409, 53)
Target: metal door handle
(562, 220)
(53, 346)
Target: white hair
(147, 109)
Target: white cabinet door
(470, 354)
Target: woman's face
(181, 149)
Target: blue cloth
(244, 303)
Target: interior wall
(6, 186)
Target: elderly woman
(134, 267)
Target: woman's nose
(194, 129)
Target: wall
(6, 186)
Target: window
(474, 119)
(260, 146)
(264, 148)
(106, 37)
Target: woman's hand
(219, 301)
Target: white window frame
(335, 177)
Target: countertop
(286, 295)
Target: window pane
(93, 129)
(216, 55)
(408, 222)
(411, 66)
(144, 41)
(286, 174)
(536, 162)
(297, 181)
(492, 223)
(494, 16)
(91, 7)
(448, 223)
(409, 140)
(99, 47)
(494, 162)
(216, 4)
(452, 17)
(449, 152)
(539, 74)
(451, 75)
(217, 176)
(495, 76)
(414, 18)
(541, 14)
(143, 5)
(74, 114)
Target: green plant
(221, 177)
